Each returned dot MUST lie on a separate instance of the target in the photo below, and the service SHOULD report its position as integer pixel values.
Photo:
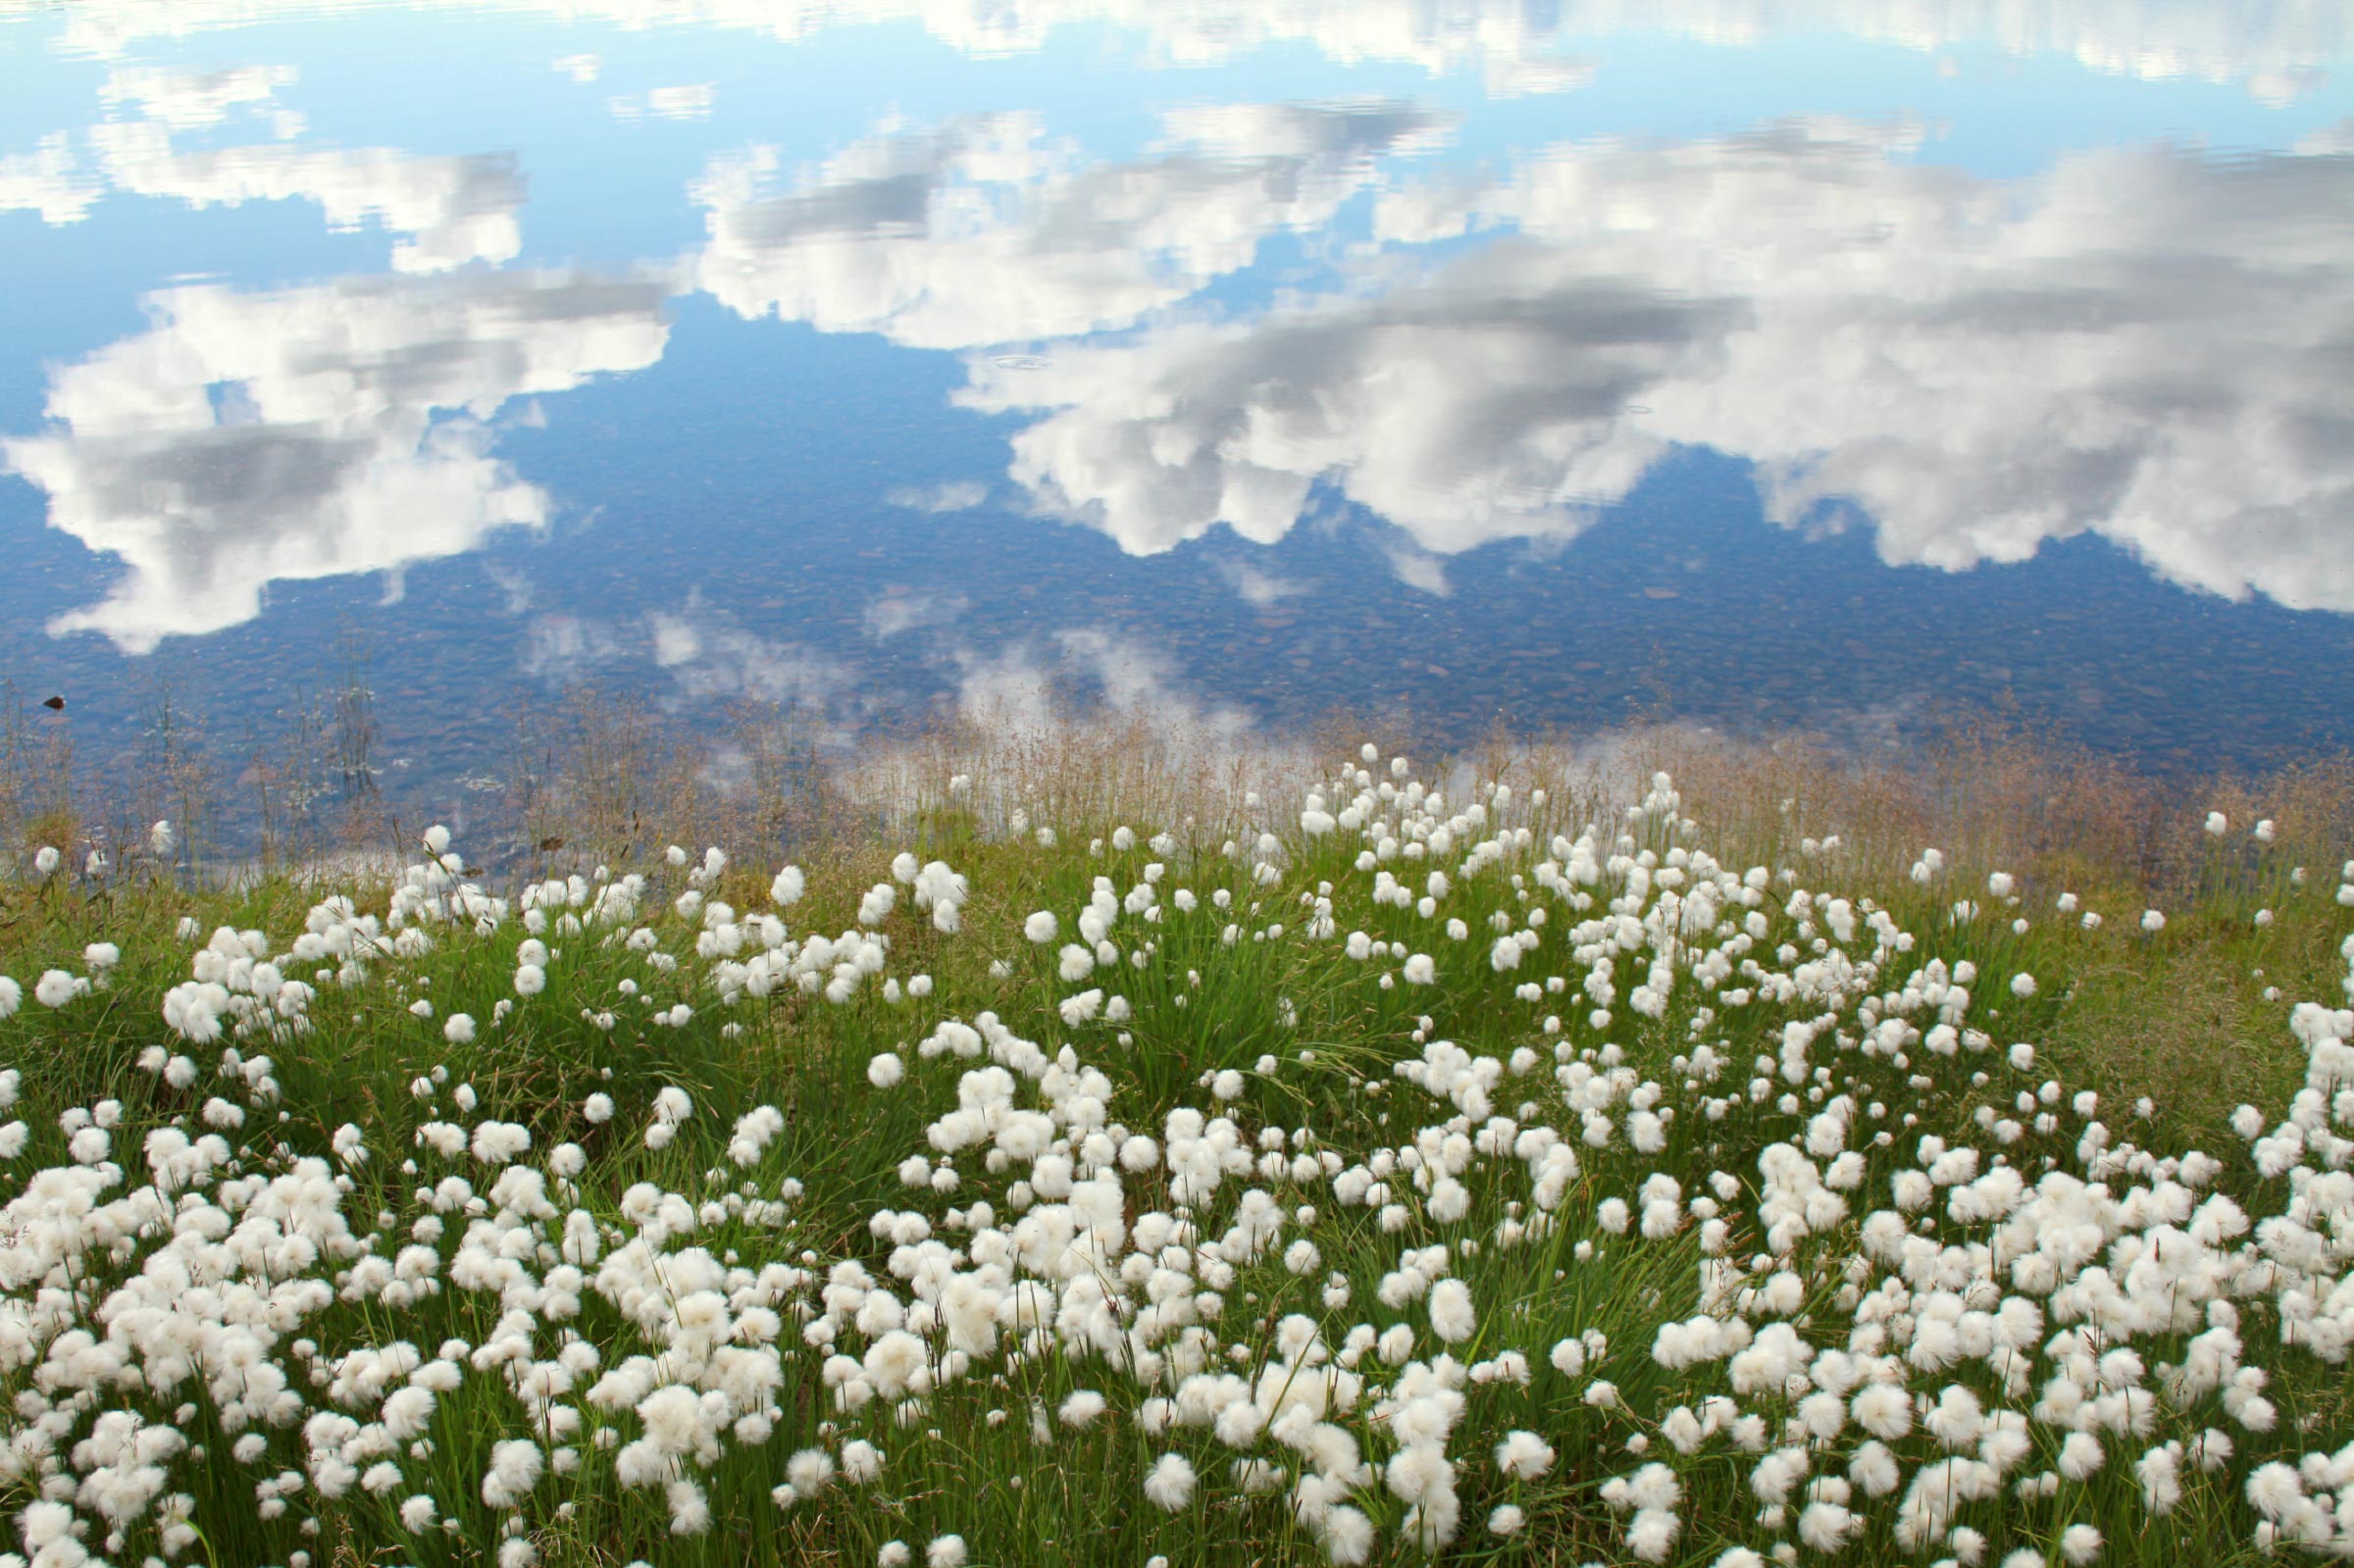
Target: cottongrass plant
(1418, 1174)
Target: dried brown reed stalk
(37, 789)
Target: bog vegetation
(1368, 1168)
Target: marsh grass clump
(1332, 1165)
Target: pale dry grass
(596, 775)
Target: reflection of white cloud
(2144, 343)
(48, 181)
(954, 496)
(981, 233)
(1017, 690)
(2275, 49)
(676, 640)
(452, 209)
(685, 103)
(513, 583)
(1527, 78)
(1255, 587)
(1465, 412)
(190, 100)
(899, 611)
(562, 648)
(2337, 139)
(582, 69)
(1425, 574)
(248, 439)
(714, 660)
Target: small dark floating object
(54, 704)
(550, 845)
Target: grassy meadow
(1106, 1156)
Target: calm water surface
(1827, 363)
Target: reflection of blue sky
(1079, 198)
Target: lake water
(1837, 364)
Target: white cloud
(982, 232)
(582, 69)
(252, 438)
(2143, 343)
